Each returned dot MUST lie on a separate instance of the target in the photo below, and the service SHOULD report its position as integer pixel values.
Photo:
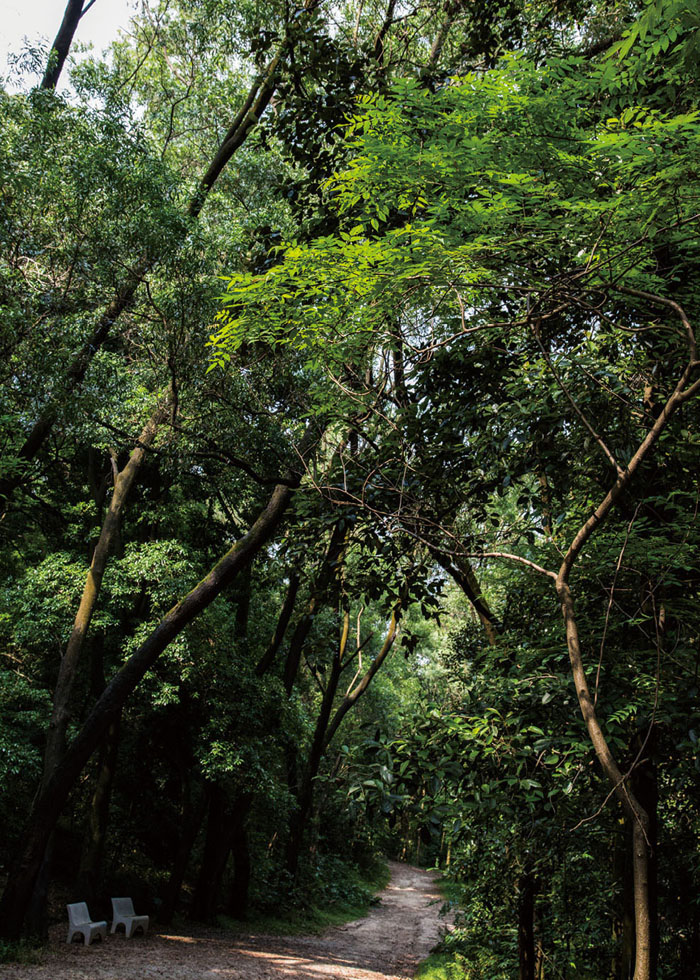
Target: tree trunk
(686, 388)
(539, 943)
(326, 573)
(646, 790)
(526, 927)
(463, 574)
(37, 921)
(627, 953)
(225, 833)
(61, 45)
(356, 693)
(123, 483)
(622, 966)
(327, 725)
(192, 817)
(50, 801)
(628, 940)
(621, 787)
(76, 372)
(90, 869)
(216, 850)
(238, 901)
(642, 917)
(268, 658)
(304, 802)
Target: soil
(386, 945)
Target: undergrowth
(19, 952)
(443, 966)
(337, 898)
(445, 963)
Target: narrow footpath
(386, 945)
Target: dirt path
(387, 945)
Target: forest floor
(387, 944)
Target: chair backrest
(122, 906)
(78, 913)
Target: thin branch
(557, 377)
(672, 305)
(518, 558)
(354, 695)
(610, 602)
(315, 674)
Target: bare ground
(386, 945)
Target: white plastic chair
(123, 915)
(79, 924)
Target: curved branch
(672, 305)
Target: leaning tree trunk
(61, 45)
(327, 571)
(268, 657)
(465, 577)
(37, 920)
(70, 661)
(50, 801)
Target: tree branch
(354, 695)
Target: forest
(349, 477)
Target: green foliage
(20, 952)
(24, 710)
(448, 191)
(424, 263)
(444, 966)
(665, 26)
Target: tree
(547, 238)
